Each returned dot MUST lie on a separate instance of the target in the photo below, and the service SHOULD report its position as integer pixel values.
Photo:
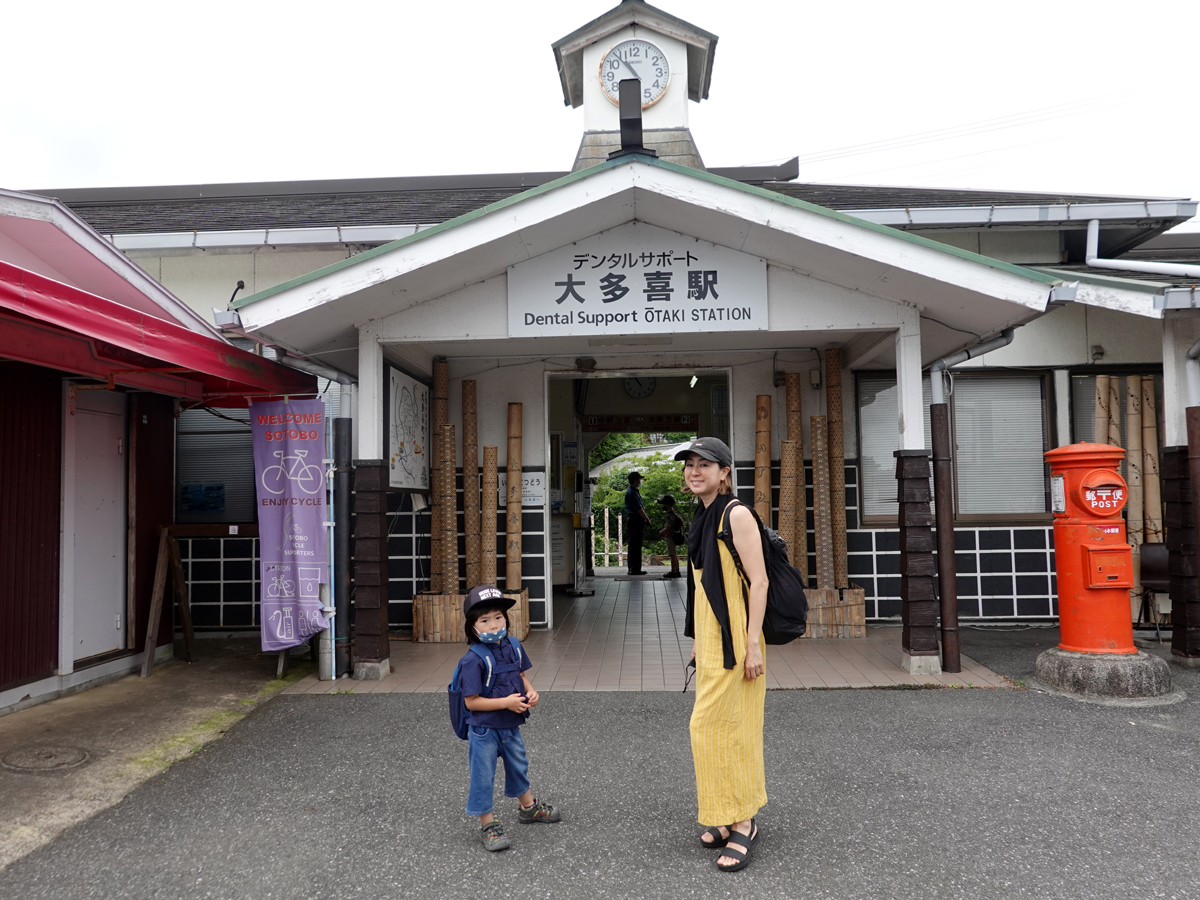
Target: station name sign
(637, 279)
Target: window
(999, 436)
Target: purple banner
(289, 480)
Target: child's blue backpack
(458, 707)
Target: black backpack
(787, 605)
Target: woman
(671, 532)
(726, 625)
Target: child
(672, 533)
(495, 715)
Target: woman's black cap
(708, 448)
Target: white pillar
(908, 385)
(1062, 407)
(1180, 330)
(368, 419)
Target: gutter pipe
(943, 481)
(1003, 339)
(1092, 257)
(1191, 366)
(312, 368)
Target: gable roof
(594, 172)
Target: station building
(639, 289)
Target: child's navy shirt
(474, 670)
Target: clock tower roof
(701, 45)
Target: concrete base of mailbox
(1125, 678)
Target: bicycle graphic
(308, 477)
(281, 587)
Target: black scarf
(702, 547)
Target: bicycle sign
(292, 467)
(290, 482)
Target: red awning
(47, 323)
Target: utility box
(1093, 560)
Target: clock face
(635, 59)
(640, 388)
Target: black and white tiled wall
(1003, 571)
(408, 555)
(222, 574)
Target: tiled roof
(430, 201)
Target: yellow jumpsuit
(727, 719)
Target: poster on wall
(408, 432)
(290, 485)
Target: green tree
(661, 475)
(613, 446)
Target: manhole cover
(43, 759)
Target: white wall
(1064, 337)
(206, 279)
(601, 114)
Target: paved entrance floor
(629, 637)
(874, 794)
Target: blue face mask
(492, 637)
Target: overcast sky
(1092, 97)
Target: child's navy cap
(486, 593)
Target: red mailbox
(1094, 562)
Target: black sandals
(718, 839)
(739, 847)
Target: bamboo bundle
(1133, 461)
(795, 434)
(1114, 411)
(762, 458)
(1151, 489)
(787, 495)
(512, 541)
(440, 412)
(1100, 422)
(448, 537)
(470, 467)
(822, 516)
(490, 510)
(837, 464)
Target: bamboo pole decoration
(822, 515)
(1133, 467)
(1151, 490)
(470, 467)
(449, 522)
(787, 495)
(837, 464)
(1114, 410)
(795, 434)
(440, 413)
(490, 506)
(762, 458)
(512, 541)
(1100, 423)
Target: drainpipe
(1191, 366)
(943, 487)
(1092, 257)
(312, 368)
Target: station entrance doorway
(600, 427)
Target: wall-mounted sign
(637, 279)
(408, 432)
(533, 488)
(650, 423)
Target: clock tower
(670, 57)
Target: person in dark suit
(636, 521)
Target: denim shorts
(485, 746)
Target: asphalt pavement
(925, 793)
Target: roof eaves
(1114, 281)
(592, 171)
